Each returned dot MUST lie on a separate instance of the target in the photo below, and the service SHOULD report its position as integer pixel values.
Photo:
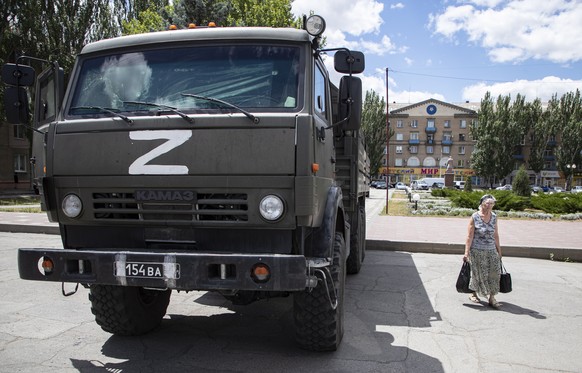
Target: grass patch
(23, 200)
(31, 209)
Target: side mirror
(16, 105)
(350, 103)
(18, 75)
(349, 62)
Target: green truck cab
(214, 159)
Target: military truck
(210, 159)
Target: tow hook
(71, 292)
(318, 272)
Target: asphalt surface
(402, 312)
(558, 240)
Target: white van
(430, 181)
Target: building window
(463, 123)
(20, 161)
(399, 123)
(398, 162)
(447, 124)
(446, 150)
(413, 149)
(414, 124)
(461, 163)
(399, 149)
(461, 137)
(429, 150)
(413, 162)
(447, 136)
(19, 131)
(430, 123)
(414, 136)
(461, 150)
(399, 137)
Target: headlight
(72, 205)
(271, 207)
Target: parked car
(419, 185)
(536, 188)
(577, 189)
(380, 185)
(438, 185)
(401, 186)
(558, 189)
(504, 187)
(459, 184)
(374, 183)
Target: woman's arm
(497, 244)
(470, 233)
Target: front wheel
(127, 311)
(318, 324)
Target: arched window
(413, 162)
(429, 162)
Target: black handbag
(464, 279)
(504, 280)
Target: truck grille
(204, 207)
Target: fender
(320, 244)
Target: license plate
(148, 270)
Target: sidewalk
(438, 235)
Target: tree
(498, 131)
(570, 124)
(273, 13)
(541, 131)
(520, 184)
(374, 129)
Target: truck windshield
(248, 76)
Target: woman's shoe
(494, 303)
(474, 298)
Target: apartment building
(426, 135)
(14, 157)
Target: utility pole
(387, 143)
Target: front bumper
(181, 271)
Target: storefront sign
(550, 174)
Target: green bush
(558, 203)
(468, 184)
(520, 184)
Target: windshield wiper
(104, 110)
(212, 99)
(160, 106)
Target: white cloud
(397, 6)
(355, 17)
(515, 30)
(531, 89)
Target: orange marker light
(192, 25)
(47, 265)
(173, 27)
(315, 167)
(260, 273)
(211, 24)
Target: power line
(451, 77)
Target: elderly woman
(483, 251)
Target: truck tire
(358, 243)
(318, 326)
(128, 311)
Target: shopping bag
(504, 280)
(464, 279)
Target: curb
(21, 228)
(458, 249)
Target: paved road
(402, 315)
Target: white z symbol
(175, 138)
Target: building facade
(429, 133)
(14, 157)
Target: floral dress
(484, 259)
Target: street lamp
(571, 169)
(416, 198)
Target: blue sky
(456, 50)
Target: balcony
(430, 129)
(447, 141)
(552, 143)
(549, 158)
(518, 156)
(414, 142)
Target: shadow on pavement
(382, 301)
